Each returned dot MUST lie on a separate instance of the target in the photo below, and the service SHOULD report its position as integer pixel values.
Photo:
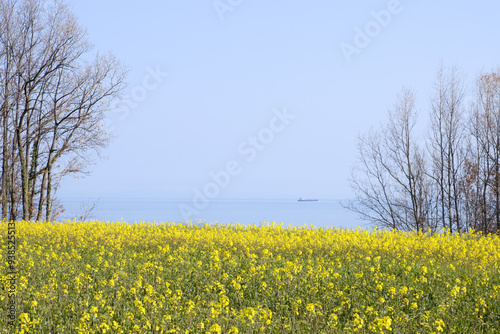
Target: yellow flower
(358, 322)
(439, 324)
(104, 327)
(215, 329)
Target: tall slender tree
(446, 143)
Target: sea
(322, 213)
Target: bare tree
(56, 91)
(485, 161)
(446, 146)
(390, 183)
(453, 184)
(87, 209)
(373, 184)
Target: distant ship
(307, 200)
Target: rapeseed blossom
(102, 277)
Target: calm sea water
(324, 213)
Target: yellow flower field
(96, 277)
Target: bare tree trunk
(5, 161)
(42, 198)
(24, 175)
(13, 188)
(48, 196)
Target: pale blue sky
(228, 78)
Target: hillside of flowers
(97, 277)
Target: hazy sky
(265, 99)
